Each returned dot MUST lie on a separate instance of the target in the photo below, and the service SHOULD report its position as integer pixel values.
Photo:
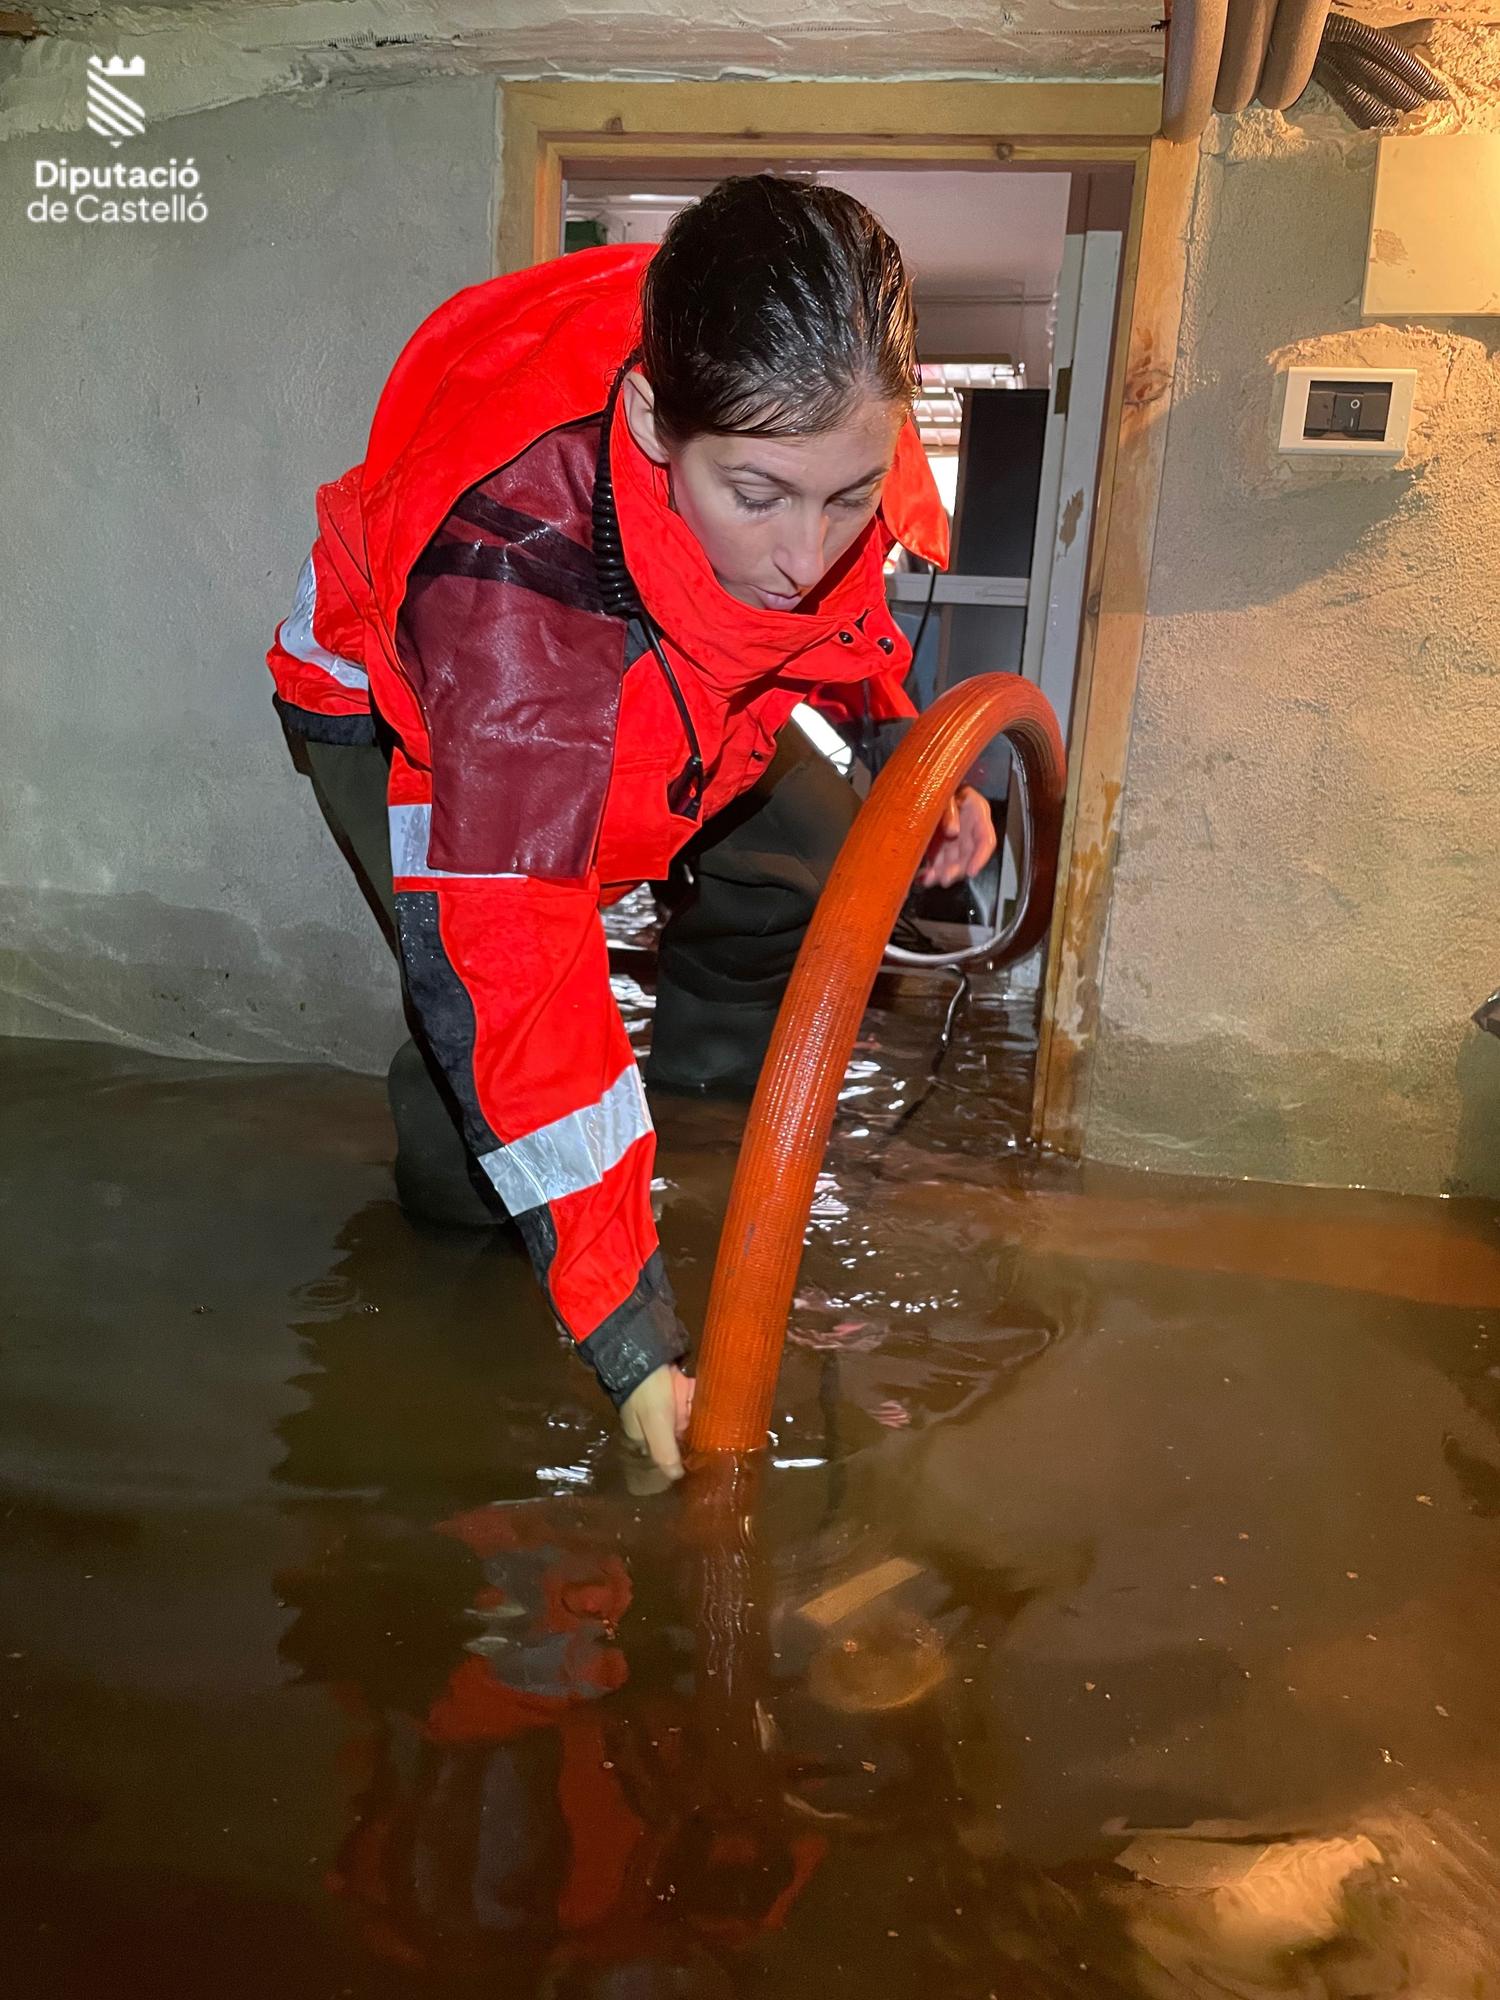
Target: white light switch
(1359, 410)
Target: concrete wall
(1305, 909)
(172, 397)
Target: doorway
(1078, 332)
(1016, 295)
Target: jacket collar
(731, 643)
(483, 378)
(501, 363)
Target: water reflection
(1156, 1663)
(1114, 1616)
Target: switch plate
(1349, 410)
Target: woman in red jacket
(618, 515)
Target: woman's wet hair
(775, 308)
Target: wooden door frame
(707, 128)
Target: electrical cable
(1371, 77)
(956, 1002)
(932, 577)
(1386, 49)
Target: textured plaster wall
(172, 397)
(1305, 909)
(204, 53)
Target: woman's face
(773, 515)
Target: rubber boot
(437, 1177)
(741, 903)
(707, 1048)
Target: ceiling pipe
(1295, 38)
(1195, 45)
(1223, 53)
(1247, 35)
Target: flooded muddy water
(1117, 1613)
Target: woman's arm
(493, 822)
(509, 975)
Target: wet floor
(1118, 1613)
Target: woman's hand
(963, 842)
(654, 1417)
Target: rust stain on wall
(1148, 379)
(1089, 870)
(1075, 1012)
(1077, 1008)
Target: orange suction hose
(790, 1118)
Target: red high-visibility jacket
(452, 589)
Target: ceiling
(962, 234)
(205, 53)
(688, 38)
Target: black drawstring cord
(621, 599)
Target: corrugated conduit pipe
(790, 1118)
(1296, 34)
(1272, 50)
(1371, 77)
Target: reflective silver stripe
(572, 1153)
(296, 635)
(823, 737)
(411, 829)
